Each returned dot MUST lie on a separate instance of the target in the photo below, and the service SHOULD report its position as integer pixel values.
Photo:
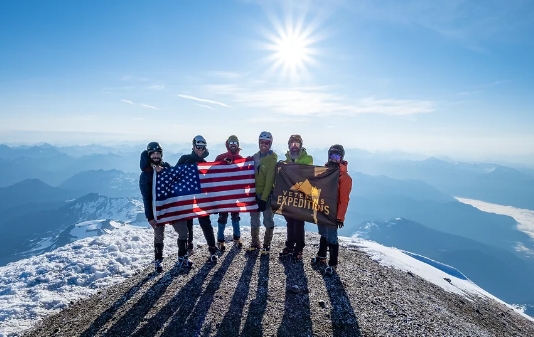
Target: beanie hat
(232, 138)
(295, 138)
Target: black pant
(207, 229)
(190, 230)
(295, 234)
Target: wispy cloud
(203, 100)
(148, 106)
(205, 106)
(140, 104)
(305, 101)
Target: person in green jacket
(295, 241)
(264, 163)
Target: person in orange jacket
(328, 233)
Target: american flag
(191, 190)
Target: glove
(339, 224)
(262, 205)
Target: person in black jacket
(152, 161)
(198, 155)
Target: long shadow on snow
(344, 321)
(180, 311)
(232, 319)
(131, 319)
(297, 314)
(258, 305)
(110, 312)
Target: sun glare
(292, 51)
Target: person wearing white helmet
(198, 154)
(264, 163)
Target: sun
(292, 49)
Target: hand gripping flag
(191, 190)
(306, 192)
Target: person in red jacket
(328, 233)
(232, 145)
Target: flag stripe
(193, 213)
(222, 198)
(208, 205)
(226, 180)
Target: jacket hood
(144, 161)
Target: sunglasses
(200, 147)
(233, 143)
(335, 157)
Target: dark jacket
(192, 158)
(145, 183)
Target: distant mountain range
(485, 181)
(482, 181)
(111, 183)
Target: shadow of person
(193, 304)
(297, 314)
(108, 314)
(232, 319)
(127, 324)
(344, 321)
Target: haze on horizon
(451, 78)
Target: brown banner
(306, 192)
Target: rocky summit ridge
(246, 294)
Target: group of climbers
(265, 161)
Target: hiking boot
(184, 262)
(318, 260)
(297, 255)
(157, 266)
(221, 246)
(254, 248)
(238, 243)
(265, 250)
(330, 270)
(285, 252)
(213, 253)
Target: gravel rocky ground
(250, 295)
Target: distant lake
(524, 217)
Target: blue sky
(447, 77)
